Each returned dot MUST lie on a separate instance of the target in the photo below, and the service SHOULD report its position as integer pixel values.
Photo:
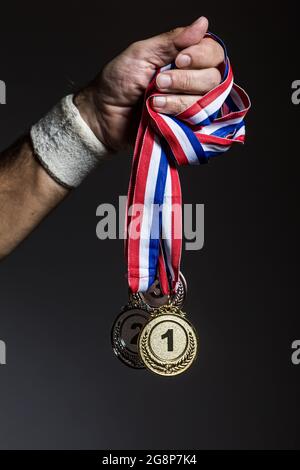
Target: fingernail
(164, 80)
(183, 60)
(159, 101)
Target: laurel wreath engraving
(180, 295)
(167, 367)
(168, 309)
(130, 358)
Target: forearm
(27, 194)
(38, 171)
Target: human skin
(111, 106)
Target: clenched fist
(111, 104)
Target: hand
(111, 104)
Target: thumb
(192, 34)
(164, 48)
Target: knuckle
(183, 80)
(214, 77)
(182, 104)
(204, 52)
(136, 48)
(211, 52)
(199, 55)
(207, 47)
(176, 104)
(215, 51)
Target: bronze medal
(154, 298)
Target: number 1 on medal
(169, 335)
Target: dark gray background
(60, 291)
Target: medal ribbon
(154, 220)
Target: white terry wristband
(65, 145)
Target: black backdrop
(62, 388)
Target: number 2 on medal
(169, 335)
(135, 326)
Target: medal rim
(171, 363)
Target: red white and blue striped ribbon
(154, 220)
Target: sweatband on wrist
(65, 145)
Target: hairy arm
(27, 194)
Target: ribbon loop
(206, 129)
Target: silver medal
(125, 333)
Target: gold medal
(168, 343)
